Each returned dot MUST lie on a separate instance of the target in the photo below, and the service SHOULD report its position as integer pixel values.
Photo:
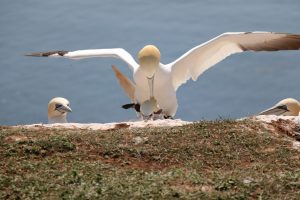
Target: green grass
(206, 160)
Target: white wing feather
(197, 60)
(92, 53)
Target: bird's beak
(276, 110)
(64, 108)
(151, 85)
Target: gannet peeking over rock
(58, 108)
(158, 82)
(285, 107)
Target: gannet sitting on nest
(58, 108)
(156, 84)
(285, 107)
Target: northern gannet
(158, 82)
(58, 108)
(285, 107)
(129, 88)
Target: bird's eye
(57, 106)
(68, 104)
(283, 107)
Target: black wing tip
(46, 54)
(36, 54)
(272, 32)
(129, 105)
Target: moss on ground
(206, 160)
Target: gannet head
(286, 107)
(149, 58)
(293, 106)
(58, 108)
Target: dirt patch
(281, 125)
(286, 127)
(16, 138)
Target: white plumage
(166, 79)
(285, 107)
(58, 109)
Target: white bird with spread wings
(156, 83)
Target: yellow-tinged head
(58, 108)
(285, 107)
(293, 106)
(149, 58)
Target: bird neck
(149, 65)
(57, 119)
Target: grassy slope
(206, 160)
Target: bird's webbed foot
(168, 117)
(158, 114)
(135, 106)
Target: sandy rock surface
(270, 118)
(113, 125)
(287, 125)
(157, 123)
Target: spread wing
(200, 58)
(127, 85)
(91, 53)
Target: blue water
(241, 85)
